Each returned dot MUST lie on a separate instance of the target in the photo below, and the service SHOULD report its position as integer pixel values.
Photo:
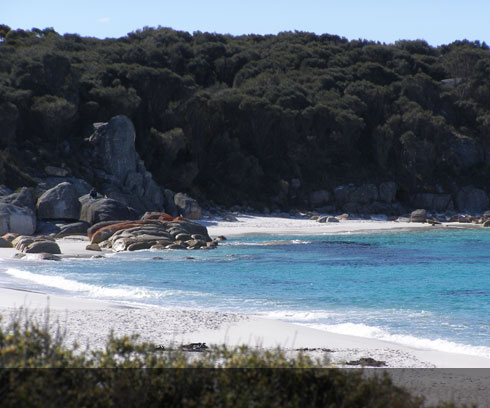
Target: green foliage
(253, 110)
(37, 369)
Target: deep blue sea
(429, 289)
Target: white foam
(95, 291)
(297, 316)
(362, 330)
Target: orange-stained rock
(106, 232)
(157, 216)
(10, 236)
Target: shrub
(37, 369)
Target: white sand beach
(90, 321)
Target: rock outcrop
(59, 203)
(39, 244)
(119, 168)
(187, 206)
(76, 228)
(104, 209)
(19, 220)
(419, 215)
(22, 198)
(152, 234)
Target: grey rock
(76, 228)
(153, 195)
(60, 202)
(93, 247)
(113, 144)
(40, 246)
(104, 209)
(183, 237)
(80, 185)
(129, 200)
(419, 215)
(5, 243)
(137, 246)
(175, 246)
(195, 244)
(22, 241)
(48, 228)
(472, 199)
(486, 224)
(19, 220)
(230, 218)
(23, 198)
(387, 192)
(332, 219)
(187, 206)
(134, 182)
(42, 256)
(321, 219)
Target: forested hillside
(251, 119)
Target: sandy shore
(89, 322)
(298, 226)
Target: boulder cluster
(127, 211)
(153, 231)
(60, 205)
(421, 215)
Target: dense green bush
(38, 369)
(253, 111)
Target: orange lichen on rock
(105, 232)
(160, 216)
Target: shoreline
(94, 319)
(235, 329)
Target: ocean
(428, 289)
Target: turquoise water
(428, 289)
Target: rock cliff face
(116, 164)
(113, 145)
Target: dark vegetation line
(251, 119)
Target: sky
(436, 21)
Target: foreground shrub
(37, 369)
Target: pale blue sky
(436, 21)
